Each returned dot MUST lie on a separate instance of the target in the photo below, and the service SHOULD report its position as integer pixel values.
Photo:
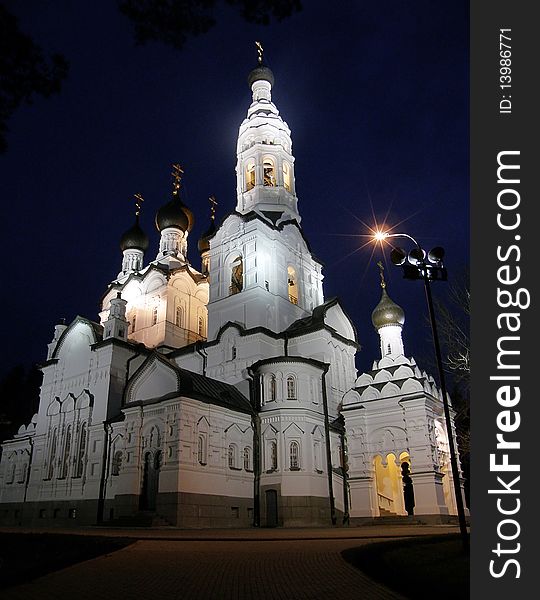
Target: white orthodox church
(228, 397)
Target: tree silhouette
(24, 71)
(174, 21)
(19, 399)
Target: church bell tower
(265, 164)
(261, 269)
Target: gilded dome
(387, 312)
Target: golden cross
(138, 204)
(177, 173)
(260, 52)
(381, 270)
(213, 204)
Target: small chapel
(227, 395)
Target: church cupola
(174, 221)
(133, 243)
(388, 319)
(265, 164)
(58, 331)
(116, 325)
(204, 241)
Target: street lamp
(417, 264)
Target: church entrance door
(150, 484)
(271, 508)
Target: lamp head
(398, 256)
(416, 256)
(436, 255)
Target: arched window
(24, 472)
(317, 455)
(294, 456)
(81, 455)
(154, 315)
(291, 388)
(10, 478)
(179, 319)
(237, 276)
(269, 172)
(273, 388)
(201, 450)
(293, 285)
(65, 459)
(232, 456)
(247, 459)
(52, 454)
(250, 175)
(273, 456)
(287, 176)
(200, 326)
(133, 323)
(117, 463)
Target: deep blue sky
(376, 96)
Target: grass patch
(25, 556)
(419, 568)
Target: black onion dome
(387, 312)
(174, 214)
(261, 73)
(134, 238)
(204, 241)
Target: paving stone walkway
(234, 568)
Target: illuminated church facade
(228, 396)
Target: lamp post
(429, 267)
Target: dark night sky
(376, 96)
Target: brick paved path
(212, 570)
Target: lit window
(269, 174)
(250, 175)
(291, 388)
(200, 326)
(287, 176)
(237, 276)
(293, 285)
(294, 456)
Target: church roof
(316, 321)
(155, 266)
(270, 219)
(190, 385)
